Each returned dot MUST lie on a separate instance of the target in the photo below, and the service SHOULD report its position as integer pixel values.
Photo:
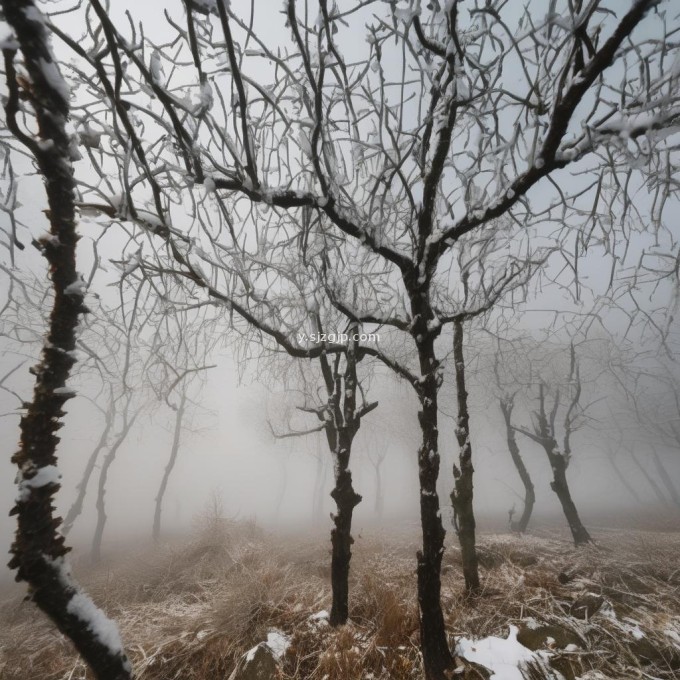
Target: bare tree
(506, 400)
(107, 345)
(38, 551)
(128, 363)
(545, 433)
(76, 508)
(187, 347)
(340, 417)
(376, 451)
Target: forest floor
(190, 610)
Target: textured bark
(38, 550)
(463, 491)
(437, 658)
(174, 451)
(96, 549)
(529, 492)
(342, 421)
(77, 507)
(346, 500)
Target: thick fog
(228, 453)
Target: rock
(257, 664)
(538, 637)
(586, 606)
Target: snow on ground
(320, 618)
(504, 657)
(278, 642)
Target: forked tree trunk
(342, 420)
(463, 490)
(96, 550)
(174, 451)
(529, 492)
(77, 507)
(561, 488)
(544, 434)
(38, 551)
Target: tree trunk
(560, 486)
(38, 551)
(437, 658)
(77, 507)
(179, 416)
(463, 490)
(529, 492)
(342, 420)
(346, 500)
(96, 550)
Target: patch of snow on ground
(277, 642)
(504, 657)
(633, 627)
(320, 619)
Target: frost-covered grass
(190, 610)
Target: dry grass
(189, 611)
